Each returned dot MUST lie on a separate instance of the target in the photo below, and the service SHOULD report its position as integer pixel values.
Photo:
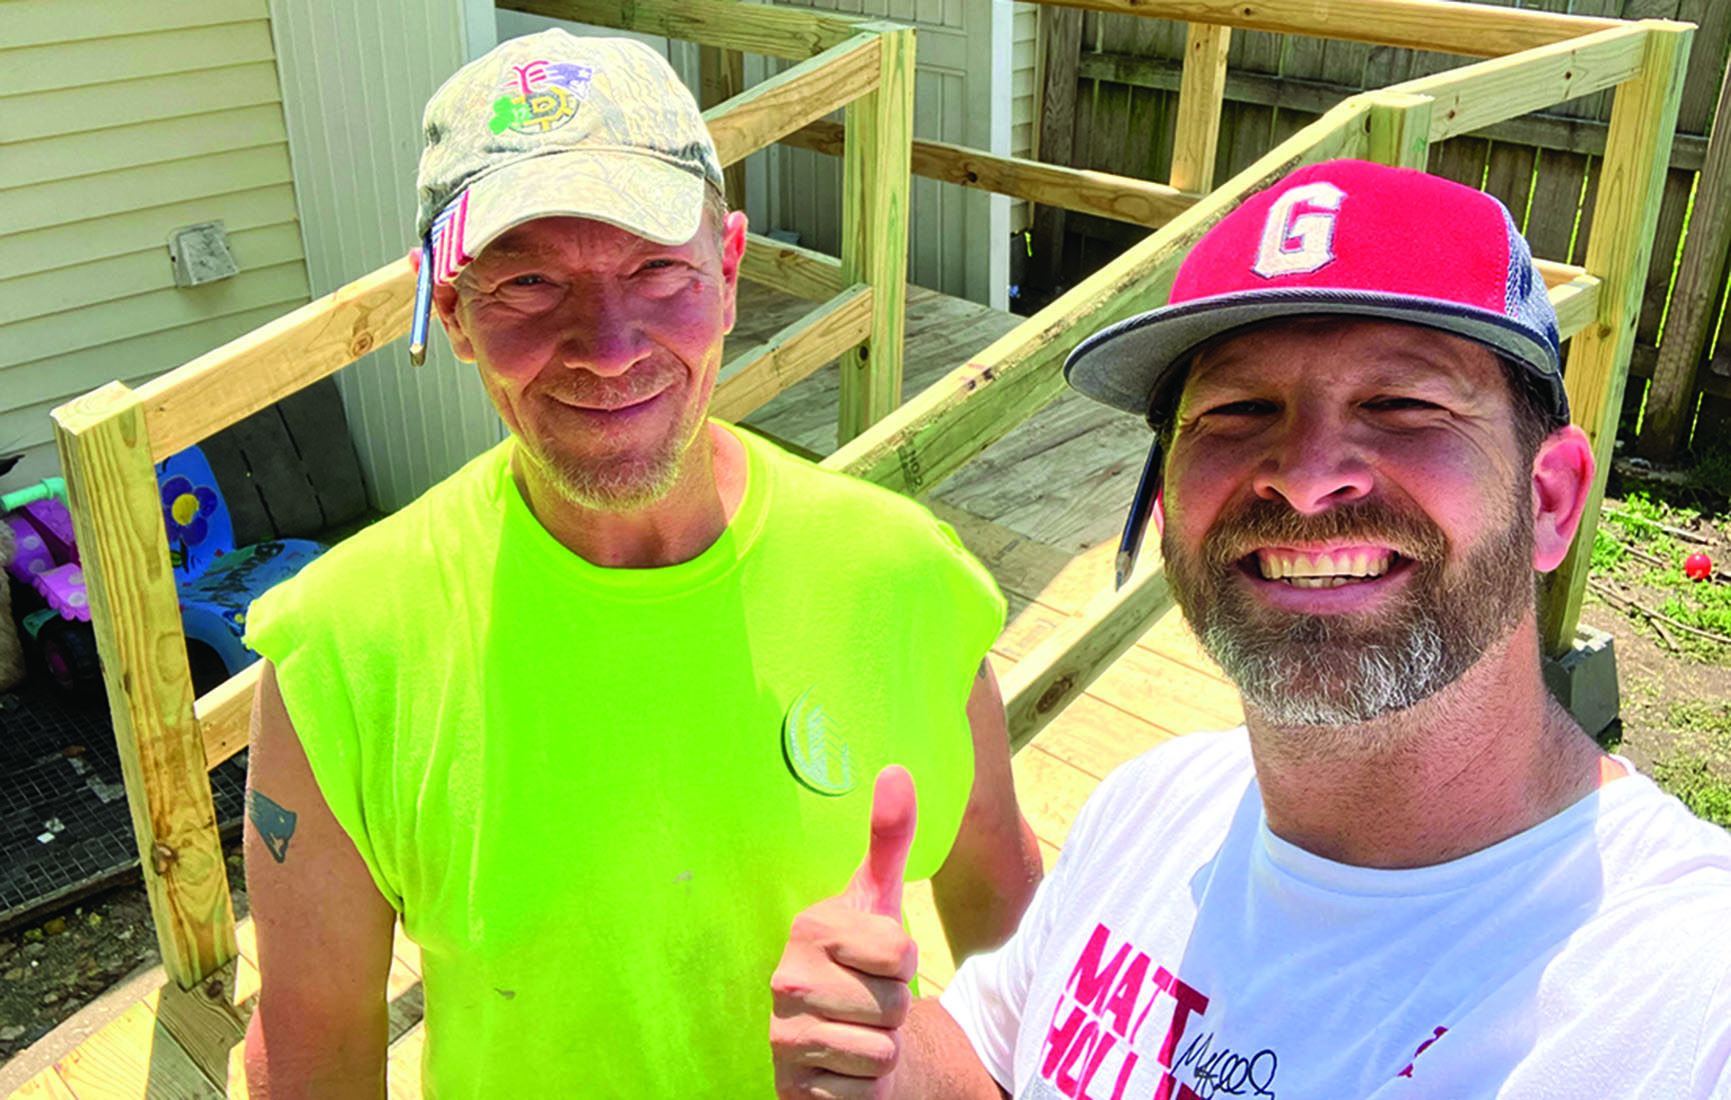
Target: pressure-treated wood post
(117, 513)
(874, 233)
(1671, 399)
(1637, 154)
(1201, 91)
(1400, 129)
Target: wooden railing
(1561, 57)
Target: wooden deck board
(1041, 509)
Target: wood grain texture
(1475, 96)
(1477, 30)
(1625, 213)
(1400, 128)
(791, 269)
(1200, 96)
(1123, 198)
(117, 513)
(875, 194)
(243, 376)
(793, 353)
(778, 32)
(790, 99)
(1062, 667)
(224, 715)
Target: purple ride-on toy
(217, 582)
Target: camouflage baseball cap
(552, 125)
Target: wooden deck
(1041, 509)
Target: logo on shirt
(817, 752)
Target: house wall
(1024, 96)
(356, 75)
(119, 123)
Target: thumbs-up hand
(841, 990)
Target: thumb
(877, 885)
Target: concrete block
(1585, 680)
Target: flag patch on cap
(448, 255)
(540, 96)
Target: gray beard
(1317, 671)
(624, 485)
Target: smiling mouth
(593, 406)
(1331, 569)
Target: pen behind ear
(1141, 511)
(419, 319)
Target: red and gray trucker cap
(1342, 237)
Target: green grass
(1628, 537)
(1696, 773)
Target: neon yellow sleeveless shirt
(599, 796)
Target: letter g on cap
(1295, 243)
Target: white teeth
(1323, 570)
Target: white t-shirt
(1180, 950)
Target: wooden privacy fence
(110, 438)
(1113, 102)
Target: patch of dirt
(50, 970)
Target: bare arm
(938, 1062)
(324, 930)
(991, 872)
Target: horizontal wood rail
(749, 28)
(246, 374)
(791, 269)
(224, 715)
(760, 373)
(1547, 131)
(1122, 198)
(976, 404)
(790, 99)
(1058, 670)
(1576, 303)
(1476, 30)
(1493, 91)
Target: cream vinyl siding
(118, 123)
(1024, 95)
(356, 76)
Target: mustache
(643, 380)
(1261, 522)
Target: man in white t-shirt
(1412, 874)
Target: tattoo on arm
(275, 824)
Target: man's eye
(1398, 404)
(529, 280)
(1250, 407)
(660, 264)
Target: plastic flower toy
(185, 507)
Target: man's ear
(732, 250)
(445, 302)
(1562, 482)
(1160, 512)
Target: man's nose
(1312, 463)
(600, 333)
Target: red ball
(1698, 566)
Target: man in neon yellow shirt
(598, 714)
